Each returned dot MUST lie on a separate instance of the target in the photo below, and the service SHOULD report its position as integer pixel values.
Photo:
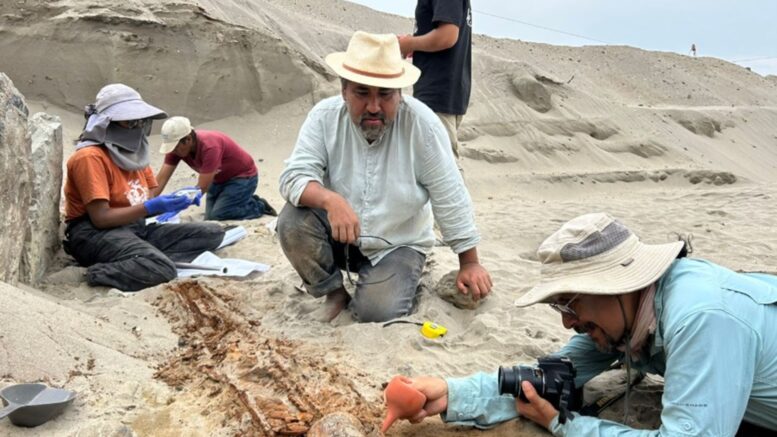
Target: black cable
(402, 321)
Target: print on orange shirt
(92, 175)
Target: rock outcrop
(43, 237)
(15, 177)
(30, 186)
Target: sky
(740, 31)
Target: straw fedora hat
(596, 254)
(374, 60)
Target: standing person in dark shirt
(441, 48)
(227, 172)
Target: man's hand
(342, 219)
(192, 192)
(474, 278)
(405, 45)
(538, 410)
(436, 391)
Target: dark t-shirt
(445, 75)
(218, 153)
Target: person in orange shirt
(107, 199)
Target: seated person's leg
(387, 290)
(118, 257)
(306, 241)
(184, 242)
(236, 201)
(211, 198)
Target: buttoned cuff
(461, 404)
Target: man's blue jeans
(234, 200)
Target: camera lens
(510, 379)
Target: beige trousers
(452, 123)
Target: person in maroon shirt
(227, 172)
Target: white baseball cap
(173, 130)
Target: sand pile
(668, 143)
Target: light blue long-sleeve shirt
(393, 184)
(715, 345)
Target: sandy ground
(667, 143)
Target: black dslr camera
(554, 380)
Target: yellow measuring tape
(428, 329)
(433, 330)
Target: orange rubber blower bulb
(403, 401)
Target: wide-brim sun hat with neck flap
(172, 131)
(119, 102)
(374, 60)
(596, 254)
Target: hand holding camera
(553, 380)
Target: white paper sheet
(232, 236)
(234, 266)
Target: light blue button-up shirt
(715, 345)
(393, 184)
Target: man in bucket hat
(709, 331)
(369, 168)
(227, 173)
(107, 199)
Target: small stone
(447, 290)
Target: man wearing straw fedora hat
(709, 331)
(369, 168)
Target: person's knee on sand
(157, 269)
(302, 235)
(147, 271)
(388, 289)
(306, 243)
(374, 308)
(229, 207)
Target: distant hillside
(599, 113)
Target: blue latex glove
(166, 203)
(165, 217)
(187, 191)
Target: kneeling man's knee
(368, 310)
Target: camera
(553, 379)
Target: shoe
(268, 209)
